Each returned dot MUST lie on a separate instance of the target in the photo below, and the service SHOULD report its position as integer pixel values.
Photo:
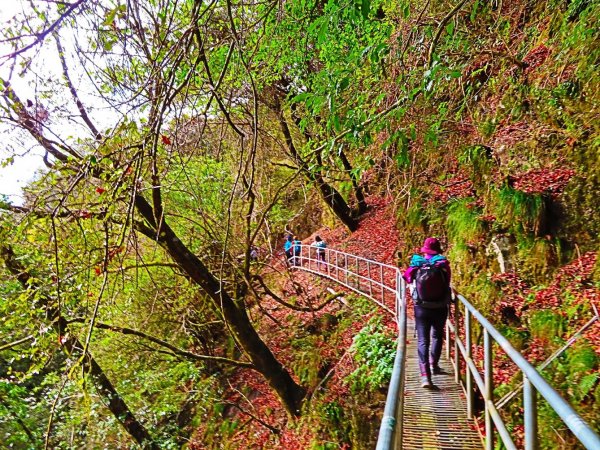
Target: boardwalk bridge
(444, 418)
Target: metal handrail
(533, 383)
(345, 269)
(391, 429)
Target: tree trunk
(330, 195)
(290, 393)
(358, 192)
(337, 203)
(72, 345)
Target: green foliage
(476, 158)
(518, 338)
(547, 325)
(332, 428)
(374, 352)
(519, 211)
(307, 361)
(463, 223)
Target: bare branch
(80, 107)
(39, 37)
(175, 350)
(10, 345)
(440, 28)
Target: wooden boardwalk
(435, 418)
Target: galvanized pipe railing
(392, 426)
(390, 282)
(533, 383)
(354, 272)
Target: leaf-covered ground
(261, 421)
(314, 340)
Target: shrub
(374, 351)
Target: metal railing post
(489, 389)
(371, 282)
(346, 268)
(469, 375)
(392, 427)
(530, 413)
(382, 286)
(447, 343)
(456, 349)
(357, 274)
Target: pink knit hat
(431, 246)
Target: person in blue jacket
(297, 250)
(287, 248)
(321, 245)
(430, 316)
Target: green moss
(537, 257)
(519, 211)
(547, 325)
(463, 223)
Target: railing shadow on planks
(384, 285)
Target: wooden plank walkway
(435, 418)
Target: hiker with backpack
(297, 249)
(429, 275)
(287, 248)
(321, 246)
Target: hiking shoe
(426, 383)
(437, 370)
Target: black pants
(429, 324)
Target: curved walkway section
(430, 418)
(443, 418)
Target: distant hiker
(430, 278)
(321, 246)
(287, 248)
(254, 253)
(297, 250)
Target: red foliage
(487, 218)
(514, 291)
(574, 277)
(165, 140)
(509, 135)
(541, 181)
(536, 57)
(457, 187)
(376, 238)
(100, 190)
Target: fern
(587, 383)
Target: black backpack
(432, 289)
